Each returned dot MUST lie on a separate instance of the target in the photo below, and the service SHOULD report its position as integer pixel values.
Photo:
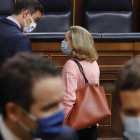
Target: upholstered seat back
(57, 16)
(6, 7)
(108, 16)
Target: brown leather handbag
(90, 107)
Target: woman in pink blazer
(79, 45)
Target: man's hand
(26, 34)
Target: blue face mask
(47, 127)
(64, 48)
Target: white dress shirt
(6, 133)
(12, 19)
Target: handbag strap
(81, 70)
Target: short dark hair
(32, 5)
(18, 75)
(129, 77)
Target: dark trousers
(88, 133)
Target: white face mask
(31, 27)
(131, 127)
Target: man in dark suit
(128, 95)
(30, 100)
(25, 15)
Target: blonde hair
(83, 44)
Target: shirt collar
(12, 19)
(6, 133)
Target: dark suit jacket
(66, 134)
(12, 40)
(124, 138)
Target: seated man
(128, 93)
(30, 100)
(26, 14)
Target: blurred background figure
(30, 100)
(26, 14)
(79, 45)
(128, 94)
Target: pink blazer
(73, 80)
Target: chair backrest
(6, 7)
(108, 16)
(57, 16)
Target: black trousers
(88, 133)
